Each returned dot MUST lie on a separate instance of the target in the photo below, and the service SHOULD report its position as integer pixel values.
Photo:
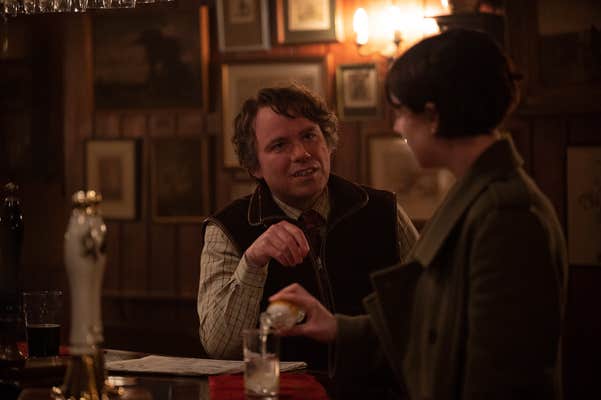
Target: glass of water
(261, 363)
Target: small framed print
(112, 169)
(584, 204)
(242, 188)
(178, 184)
(358, 94)
(241, 81)
(242, 25)
(392, 166)
(306, 21)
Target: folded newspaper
(188, 366)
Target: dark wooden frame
(348, 111)
(287, 34)
(241, 187)
(179, 179)
(524, 44)
(238, 36)
(145, 101)
(128, 151)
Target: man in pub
(302, 224)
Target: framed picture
(560, 59)
(17, 85)
(242, 188)
(151, 59)
(392, 166)
(243, 25)
(584, 204)
(178, 184)
(561, 39)
(112, 168)
(243, 80)
(16, 147)
(357, 93)
(306, 21)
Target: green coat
(476, 311)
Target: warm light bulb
(393, 22)
(361, 26)
(445, 4)
(429, 27)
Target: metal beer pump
(85, 259)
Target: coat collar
(346, 198)
(496, 161)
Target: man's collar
(321, 206)
(341, 199)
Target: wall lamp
(388, 29)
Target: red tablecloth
(292, 387)
(62, 350)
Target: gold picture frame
(243, 25)
(358, 91)
(306, 21)
(112, 168)
(392, 166)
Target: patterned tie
(311, 222)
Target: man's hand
(283, 241)
(320, 324)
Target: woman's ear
(431, 114)
(256, 173)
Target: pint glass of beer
(43, 312)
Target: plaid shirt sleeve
(229, 295)
(407, 234)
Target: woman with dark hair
(476, 311)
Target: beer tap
(85, 260)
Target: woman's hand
(319, 325)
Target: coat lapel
(495, 162)
(390, 307)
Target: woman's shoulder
(513, 191)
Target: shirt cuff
(249, 275)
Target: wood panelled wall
(549, 120)
(152, 273)
(543, 140)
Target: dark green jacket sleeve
(356, 349)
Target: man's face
(294, 158)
